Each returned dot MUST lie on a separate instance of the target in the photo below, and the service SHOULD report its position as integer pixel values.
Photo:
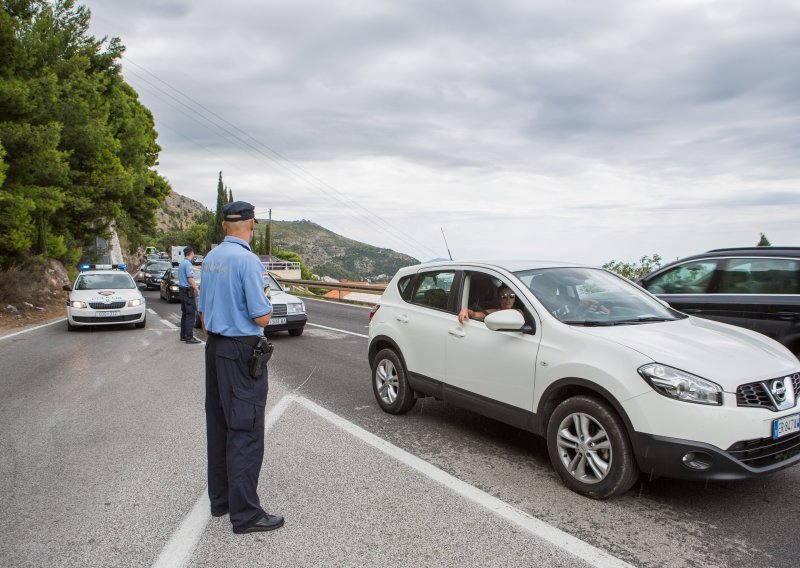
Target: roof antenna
(445, 244)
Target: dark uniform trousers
(235, 429)
(188, 312)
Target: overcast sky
(583, 131)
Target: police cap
(239, 211)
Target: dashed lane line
(337, 329)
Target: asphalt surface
(102, 463)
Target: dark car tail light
(374, 311)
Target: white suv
(614, 379)
(104, 294)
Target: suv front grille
(278, 310)
(104, 306)
(764, 452)
(756, 395)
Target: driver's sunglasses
(508, 296)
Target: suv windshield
(104, 282)
(590, 296)
(271, 282)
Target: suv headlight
(136, 302)
(680, 385)
(296, 308)
(77, 304)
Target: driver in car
(506, 302)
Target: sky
(583, 131)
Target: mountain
(323, 251)
(179, 209)
(329, 254)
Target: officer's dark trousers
(235, 429)
(188, 312)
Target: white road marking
(152, 311)
(583, 550)
(169, 324)
(304, 298)
(31, 329)
(178, 551)
(181, 545)
(337, 329)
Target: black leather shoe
(266, 523)
(220, 513)
(193, 340)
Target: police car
(104, 294)
(288, 311)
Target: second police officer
(235, 311)
(188, 292)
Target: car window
(689, 278)
(104, 282)
(157, 266)
(433, 289)
(588, 296)
(759, 276)
(402, 285)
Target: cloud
(604, 129)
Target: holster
(262, 352)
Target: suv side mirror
(67, 288)
(505, 320)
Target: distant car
(150, 274)
(288, 311)
(152, 258)
(615, 381)
(756, 288)
(169, 288)
(198, 259)
(104, 295)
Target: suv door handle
(402, 319)
(456, 332)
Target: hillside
(323, 251)
(329, 254)
(179, 211)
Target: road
(102, 463)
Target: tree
(632, 270)
(215, 233)
(764, 241)
(80, 148)
(230, 195)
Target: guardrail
(304, 285)
(281, 265)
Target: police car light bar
(85, 267)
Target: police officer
(235, 311)
(187, 292)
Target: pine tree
(230, 195)
(764, 241)
(215, 233)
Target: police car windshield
(104, 282)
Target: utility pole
(270, 235)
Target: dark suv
(757, 288)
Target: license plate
(786, 425)
(277, 321)
(107, 314)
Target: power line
(279, 160)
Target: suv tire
(296, 332)
(389, 383)
(141, 324)
(589, 448)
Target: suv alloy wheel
(390, 385)
(589, 448)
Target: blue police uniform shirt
(232, 293)
(184, 273)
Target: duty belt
(251, 340)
